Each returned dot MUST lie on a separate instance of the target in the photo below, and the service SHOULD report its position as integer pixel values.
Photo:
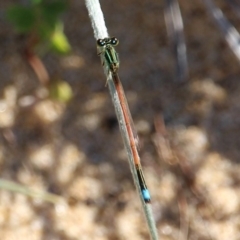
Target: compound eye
(114, 41)
(100, 42)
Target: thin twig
(230, 33)
(184, 217)
(174, 25)
(235, 4)
(100, 31)
(15, 187)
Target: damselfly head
(106, 50)
(107, 41)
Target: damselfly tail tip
(146, 196)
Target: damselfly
(110, 61)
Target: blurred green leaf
(60, 91)
(21, 17)
(59, 41)
(41, 19)
(35, 2)
(48, 15)
(51, 11)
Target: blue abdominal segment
(143, 186)
(146, 195)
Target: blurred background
(59, 133)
